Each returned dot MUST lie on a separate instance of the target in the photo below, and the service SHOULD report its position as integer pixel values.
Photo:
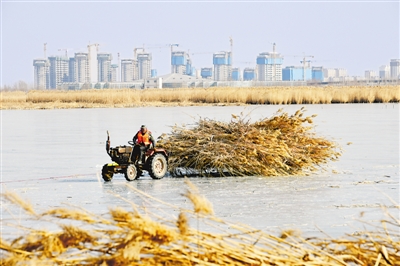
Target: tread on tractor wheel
(157, 166)
(107, 172)
(131, 173)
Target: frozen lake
(53, 158)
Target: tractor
(123, 161)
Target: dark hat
(143, 126)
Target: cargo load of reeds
(277, 146)
(141, 237)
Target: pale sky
(355, 35)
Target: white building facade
(222, 66)
(41, 74)
(269, 66)
(394, 68)
(104, 67)
(144, 61)
(384, 72)
(59, 70)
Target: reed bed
(48, 99)
(141, 237)
(277, 146)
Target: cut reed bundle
(141, 237)
(280, 145)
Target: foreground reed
(277, 146)
(49, 99)
(142, 237)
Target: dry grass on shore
(142, 237)
(50, 99)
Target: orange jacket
(145, 138)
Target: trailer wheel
(107, 172)
(131, 173)
(158, 166)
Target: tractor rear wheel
(107, 172)
(157, 166)
(131, 173)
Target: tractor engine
(120, 154)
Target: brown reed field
(106, 98)
(141, 236)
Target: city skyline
(358, 36)
(75, 72)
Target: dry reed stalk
(280, 145)
(136, 237)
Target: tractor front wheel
(157, 166)
(107, 172)
(131, 173)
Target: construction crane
(273, 61)
(304, 61)
(202, 53)
(44, 50)
(64, 49)
(231, 41)
(304, 64)
(135, 51)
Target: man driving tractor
(142, 140)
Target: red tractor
(155, 162)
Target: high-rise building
(222, 66)
(236, 75)
(59, 70)
(269, 66)
(206, 73)
(370, 75)
(249, 74)
(81, 71)
(127, 70)
(317, 73)
(178, 62)
(114, 73)
(395, 68)
(296, 73)
(341, 72)
(384, 72)
(71, 69)
(104, 67)
(144, 65)
(329, 73)
(41, 74)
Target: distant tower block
(41, 74)
(222, 66)
(395, 68)
(178, 62)
(114, 73)
(206, 73)
(269, 66)
(59, 70)
(81, 71)
(236, 74)
(144, 65)
(249, 74)
(127, 70)
(104, 67)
